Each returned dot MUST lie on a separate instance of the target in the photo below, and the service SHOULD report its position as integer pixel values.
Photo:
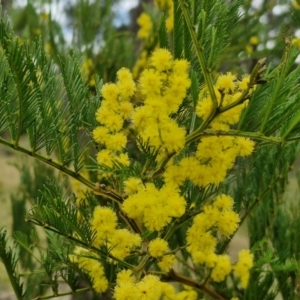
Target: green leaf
(9, 258)
(162, 33)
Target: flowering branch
(208, 132)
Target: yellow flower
(254, 40)
(161, 59)
(244, 83)
(180, 66)
(104, 157)
(92, 267)
(296, 41)
(100, 284)
(172, 136)
(125, 276)
(242, 267)
(221, 269)
(226, 82)
(125, 84)
(150, 82)
(100, 134)
(132, 206)
(156, 218)
(146, 25)
(228, 222)
(149, 288)
(132, 185)
(125, 109)
(168, 291)
(104, 222)
(140, 116)
(245, 146)
(212, 214)
(116, 141)
(174, 175)
(187, 295)
(125, 291)
(124, 75)
(122, 159)
(223, 202)
(166, 262)
(113, 121)
(158, 247)
(110, 91)
(204, 107)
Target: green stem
(12, 280)
(103, 254)
(131, 223)
(50, 162)
(173, 276)
(33, 272)
(142, 264)
(178, 224)
(160, 167)
(29, 251)
(106, 194)
(183, 261)
(7, 257)
(63, 294)
(208, 132)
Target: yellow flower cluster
(92, 267)
(214, 155)
(228, 89)
(155, 207)
(158, 248)
(167, 6)
(115, 109)
(118, 241)
(209, 165)
(149, 288)
(242, 267)
(164, 85)
(145, 23)
(169, 293)
(202, 238)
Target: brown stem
(173, 276)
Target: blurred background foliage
(107, 34)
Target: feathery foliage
(157, 174)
